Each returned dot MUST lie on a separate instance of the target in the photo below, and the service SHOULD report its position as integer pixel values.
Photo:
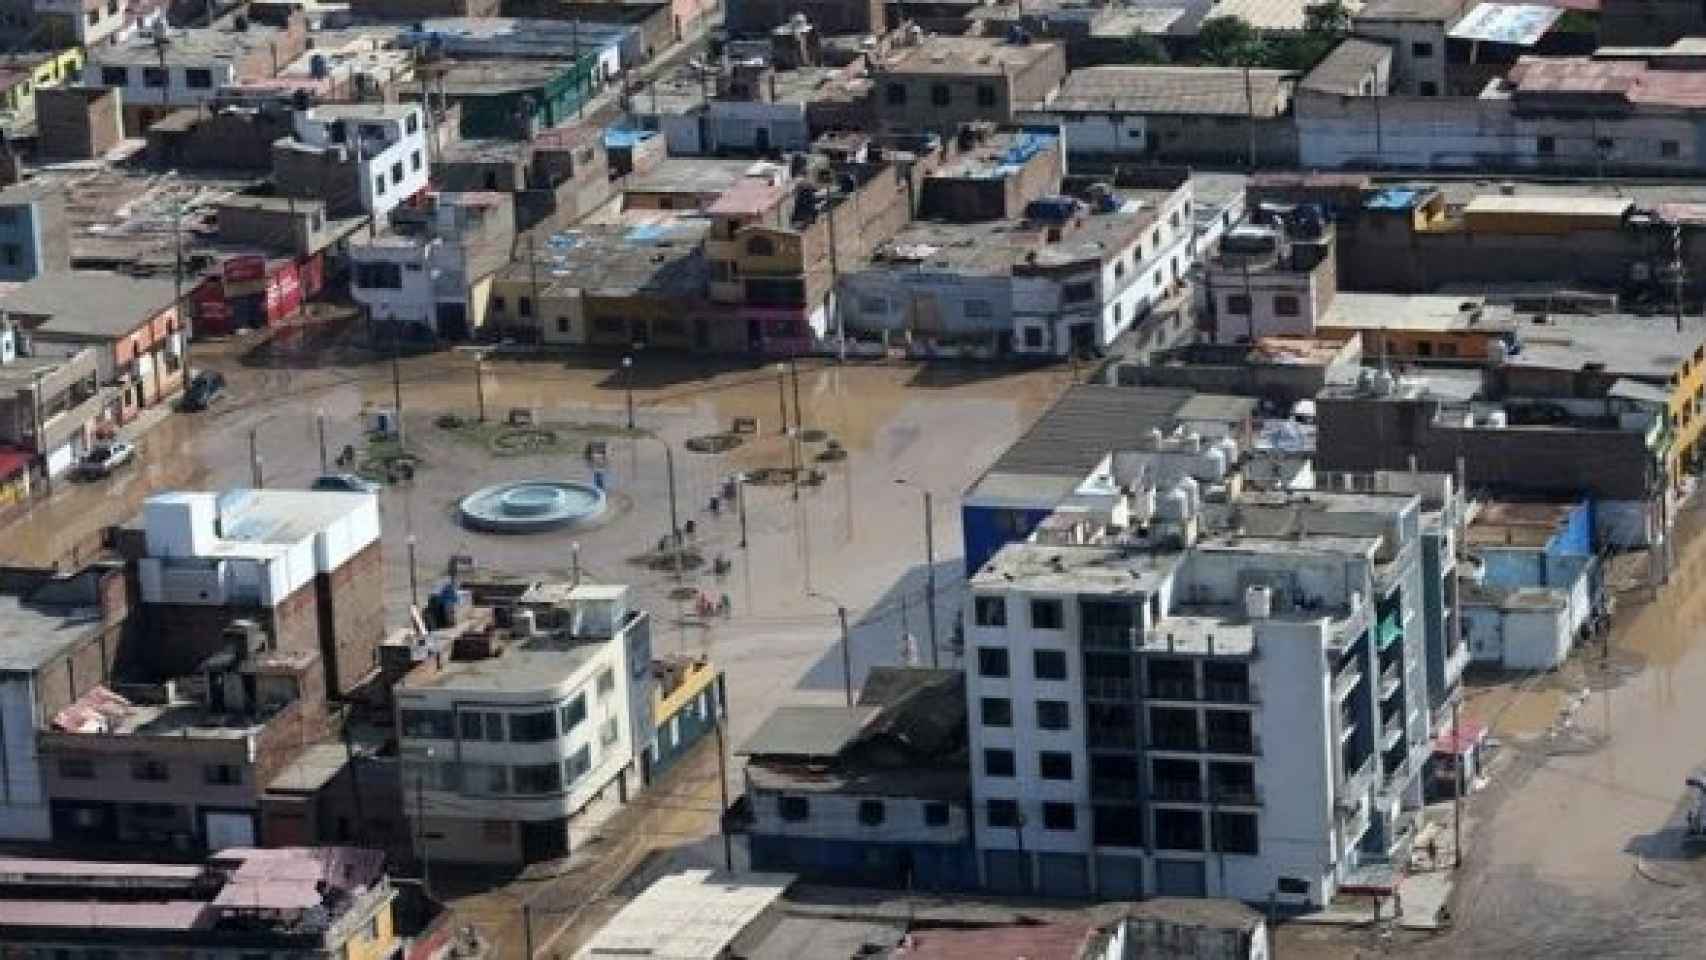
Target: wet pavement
(856, 539)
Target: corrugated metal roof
(808, 731)
(1343, 71)
(1173, 90)
(1085, 424)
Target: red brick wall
(351, 612)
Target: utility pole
(420, 823)
(782, 397)
(320, 422)
(1250, 118)
(794, 371)
(740, 505)
(846, 654)
(397, 377)
(414, 580)
(1456, 787)
(794, 465)
(1676, 271)
(930, 578)
(178, 287)
(723, 791)
(255, 460)
(480, 380)
(674, 523)
(628, 384)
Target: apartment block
(365, 158)
(936, 83)
(51, 401)
(34, 235)
(183, 764)
(527, 713)
(427, 279)
(305, 566)
(1180, 689)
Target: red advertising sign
(284, 293)
(244, 269)
(212, 315)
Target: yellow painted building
(21, 74)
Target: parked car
(205, 387)
(106, 458)
(344, 483)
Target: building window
(1048, 664)
(397, 172)
(1235, 833)
(874, 306)
(471, 725)
(152, 771)
(537, 778)
(486, 779)
(1286, 305)
(935, 814)
(577, 766)
(992, 661)
(222, 774)
(93, 16)
(990, 611)
(1053, 715)
(977, 309)
(1546, 146)
(1034, 338)
(940, 95)
(1060, 816)
(1428, 88)
(532, 727)
(1238, 305)
(562, 324)
(607, 679)
(793, 809)
(415, 161)
(573, 713)
(1046, 615)
(1178, 829)
(1054, 765)
(871, 813)
(997, 712)
(77, 768)
(494, 728)
(524, 306)
(379, 185)
(411, 123)
(1081, 292)
(998, 763)
(499, 303)
(761, 247)
(896, 94)
(1421, 51)
(1003, 813)
(198, 78)
(607, 732)
(1669, 148)
(154, 77)
(428, 725)
(985, 95)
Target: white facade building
(1168, 701)
(388, 142)
(505, 749)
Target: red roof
(750, 196)
(1041, 941)
(14, 462)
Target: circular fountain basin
(531, 506)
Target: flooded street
(857, 539)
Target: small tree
(1231, 42)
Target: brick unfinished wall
(350, 608)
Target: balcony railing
(1390, 735)
(1172, 689)
(1177, 791)
(1347, 679)
(1110, 688)
(1362, 780)
(1390, 680)
(1240, 743)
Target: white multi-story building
(505, 742)
(1179, 689)
(387, 142)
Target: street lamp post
(628, 382)
(782, 396)
(320, 425)
(740, 505)
(846, 650)
(420, 821)
(480, 382)
(799, 412)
